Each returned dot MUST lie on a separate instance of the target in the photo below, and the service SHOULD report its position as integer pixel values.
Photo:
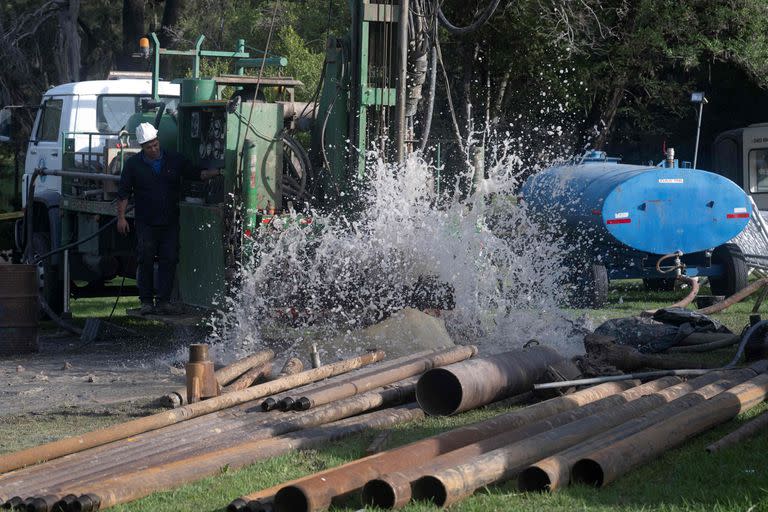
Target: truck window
(113, 111)
(758, 169)
(50, 119)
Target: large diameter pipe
(362, 384)
(125, 488)
(447, 485)
(469, 384)
(747, 430)
(99, 437)
(393, 490)
(224, 376)
(607, 464)
(315, 492)
(554, 472)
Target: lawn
(685, 479)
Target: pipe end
(285, 404)
(533, 479)
(291, 499)
(378, 493)
(268, 404)
(588, 472)
(439, 392)
(236, 505)
(302, 404)
(259, 506)
(13, 502)
(429, 488)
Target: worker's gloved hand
(122, 226)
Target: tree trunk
(133, 30)
(171, 16)
(68, 43)
(609, 113)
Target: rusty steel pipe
(383, 377)
(316, 491)
(102, 436)
(391, 395)
(224, 376)
(554, 472)
(132, 486)
(469, 384)
(292, 366)
(245, 380)
(393, 490)
(747, 430)
(605, 465)
(449, 483)
(280, 402)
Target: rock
(90, 378)
(19, 369)
(67, 366)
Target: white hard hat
(145, 132)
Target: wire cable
(472, 27)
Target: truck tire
(659, 284)
(735, 270)
(591, 287)
(49, 275)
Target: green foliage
(303, 63)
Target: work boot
(146, 308)
(167, 308)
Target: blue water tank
(650, 209)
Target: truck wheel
(49, 277)
(735, 270)
(591, 287)
(659, 284)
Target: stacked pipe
(130, 460)
(584, 431)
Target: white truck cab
(89, 112)
(742, 156)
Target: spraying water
(344, 272)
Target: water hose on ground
(685, 301)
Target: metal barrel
(608, 463)
(383, 377)
(469, 384)
(747, 430)
(142, 482)
(393, 490)
(75, 444)
(314, 492)
(447, 485)
(19, 309)
(554, 472)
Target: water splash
(344, 272)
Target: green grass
(684, 479)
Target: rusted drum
(19, 309)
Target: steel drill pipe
(374, 380)
(276, 402)
(469, 384)
(607, 464)
(98, 437)
(446, 484)
(129, 487)
(554, 472)
(392, 395)
(249, 377)
(224, 376)
(316, 492)
(744, 432)
(147, 444)
(393, 490)
(292, 366)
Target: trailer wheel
(49, 278)
(659, 284)
(591, 287)
(735, 270)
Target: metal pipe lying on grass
(75, 444)
(610, 462)
(141, 483)
(447, 485)
(245, 380)
(469, 384)
(554, 472)
(747, 430)
(386, 376)
(316, 491)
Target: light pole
(698, 97)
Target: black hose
(431, 104)
(479, 22)
(63, 248)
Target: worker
(153, 176)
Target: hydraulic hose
(476, 24)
